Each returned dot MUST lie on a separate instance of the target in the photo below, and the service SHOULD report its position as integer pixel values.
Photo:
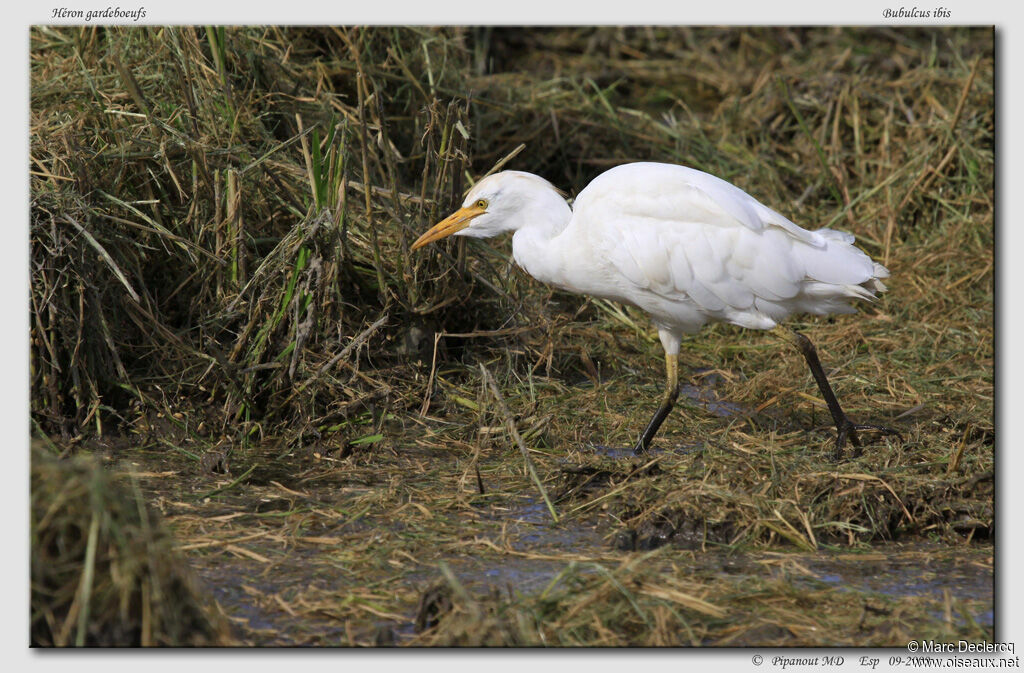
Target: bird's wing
(674, 232)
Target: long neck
(536, 245)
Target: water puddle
(704, 397)
(928, 572)
(343, 553)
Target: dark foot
(844, 427)
(848, 429)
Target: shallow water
(541, 557)
(925, 571)
(293, 551)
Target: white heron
(682, 245)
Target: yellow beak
(457, 221)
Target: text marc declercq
(962, 646)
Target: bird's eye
(482, 203)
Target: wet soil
(309, 550)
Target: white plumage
(682, 245)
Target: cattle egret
(684, 246)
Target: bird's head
(498, 203)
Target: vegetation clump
(105, 570)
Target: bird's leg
(844, 427)
(668, 400)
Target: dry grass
(105, 572)
(651, 601)
(221, 281)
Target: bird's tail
(834, 272)
(838, 272)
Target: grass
(222, 287)
(105, 572)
